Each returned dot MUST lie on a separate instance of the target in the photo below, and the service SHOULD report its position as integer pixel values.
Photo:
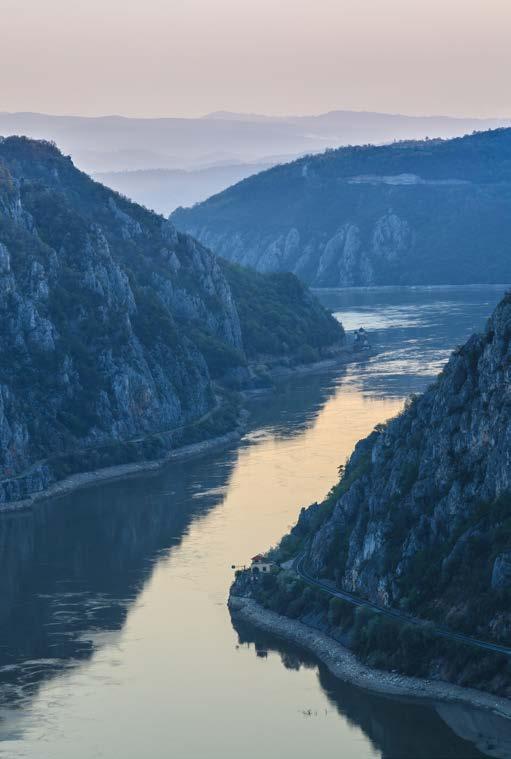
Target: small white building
(260, 564)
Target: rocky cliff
(428, 212)
(113, 325)
(420, 520)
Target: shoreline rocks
(343, 664)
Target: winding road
(441, 632)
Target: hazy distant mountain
(223, 144)
(163, 190)
(234, 116)
(426, 212)
(116, 143)
(177, 143)
(360, 127)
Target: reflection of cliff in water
(72, 568)
(295, 403)
(489, 732)
(421, 731)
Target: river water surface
(115, 639)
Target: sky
(190, 57)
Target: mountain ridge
(118, 334)
(242, 137)
(414, 212)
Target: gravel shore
(87, 479)
(343, 664)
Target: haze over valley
(169, 162)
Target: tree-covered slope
(427, 212)
(420, 521)
(113, 326)
(279, 316)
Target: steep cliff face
(421, 518)
(99, 304)
(431, 212)
(428, 496)
(112, 324)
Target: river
(115, 639)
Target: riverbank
(121, 471)
(276, 370)
(348, 356)
(344, 665)
(92, 477)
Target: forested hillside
(426, 212)
(117, 332)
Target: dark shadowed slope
(430, 212)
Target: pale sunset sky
(189, 57)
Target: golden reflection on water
(276, 477)
(173, 678)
